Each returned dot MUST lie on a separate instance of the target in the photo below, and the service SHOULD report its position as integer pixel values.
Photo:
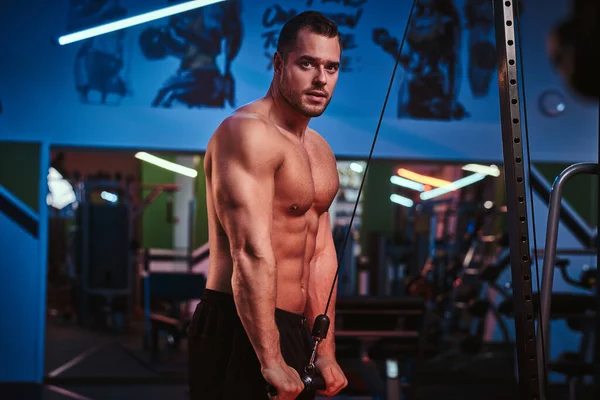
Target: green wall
(581, 191)
(20, 171)
(157, 231)
(377, 209)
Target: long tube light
(491, 170)
(171, 166)
(403, 201)
(460, 183)
(427, 180)
(135, 20)
(396, 180)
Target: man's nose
(321, 76)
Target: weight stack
(108, 247)
(104, 262)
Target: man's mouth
(317, 97)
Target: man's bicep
(243, 187)
(244, 206)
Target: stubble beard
(294, 99)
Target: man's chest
(307, 179)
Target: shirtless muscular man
(270, 182)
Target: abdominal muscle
(293, 242)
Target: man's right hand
(284, 379)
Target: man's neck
(286, 116)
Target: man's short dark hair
(312, 21)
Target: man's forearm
(322, 275)
(255, 292)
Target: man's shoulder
(244, 134)
(245, 123)
(243, 126)
(320, 142)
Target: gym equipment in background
(103, 250)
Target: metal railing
(550, 258)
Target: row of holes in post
(513, 82)
(522, 218)
(517, 140)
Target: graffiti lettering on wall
(275, 16)
(195, 38)
(431, 57)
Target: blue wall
(19, 280)
(40, 100)
(23, 249)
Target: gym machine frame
(550, 254)
(516, 199)
(84, 189)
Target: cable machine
(532, 347)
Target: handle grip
(311, 383)
(318, 383)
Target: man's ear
(277, 62)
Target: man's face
(308, 77)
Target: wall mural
(196, 38)
(169, 83)
(431, 57)
(347, 18)
(100, 61)
(479, 21)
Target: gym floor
(88, 365)
(82, 364)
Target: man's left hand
(334, 377)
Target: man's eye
(305, 64)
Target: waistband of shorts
(288, 318)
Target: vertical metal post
(516, 199)
(84, 225)
(43, 239)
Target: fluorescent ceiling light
(491, 170)
(460, 183)
(171, 166)
(403, 201)
(427, 180)
(396, 180)
(135, 20)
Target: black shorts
(222, 361)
